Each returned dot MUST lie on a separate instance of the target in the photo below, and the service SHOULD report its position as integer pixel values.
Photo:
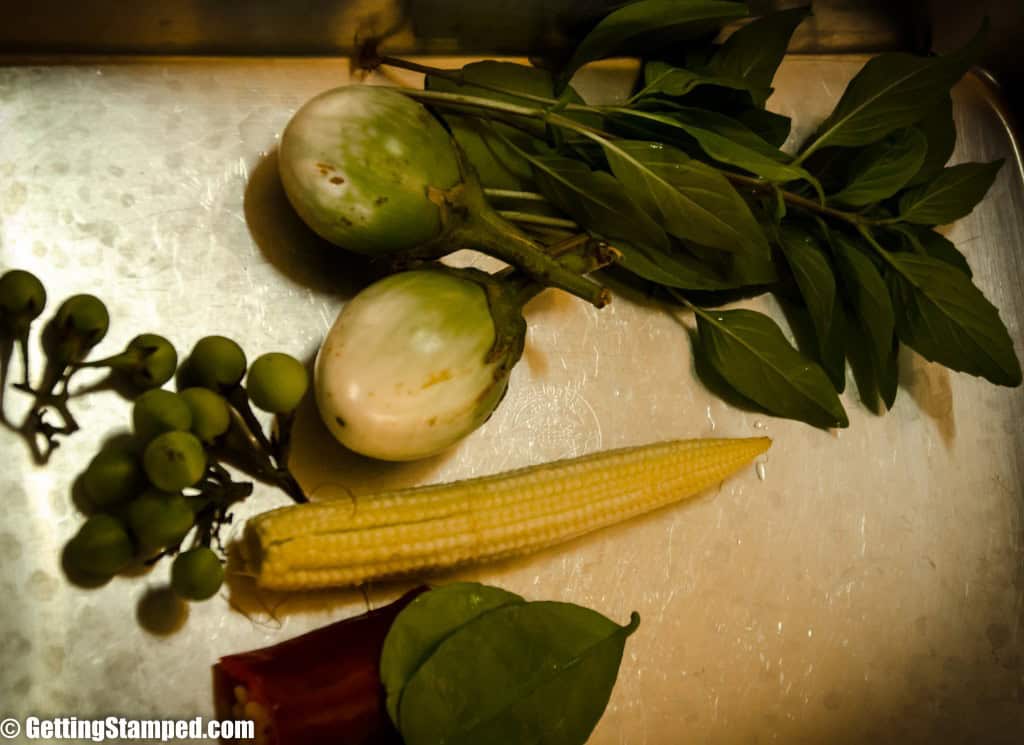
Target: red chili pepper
(321, 688)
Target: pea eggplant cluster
(166, 488)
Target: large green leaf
(867, 294)
(498, 164)
(939, 129)
(751, 353)
(680, 269)
(596, 200)
(755, 51)
(724, 139)
(426, 622)
(930, 243)
(817, 284)
(662, 79)
(536, 673)
(649, 24)
(883, 168)
(861, 361)
(771, 127)
(599, 203)
(692, 200)
(893, 91)
(889, 375)
(947, 319)
(953, 194)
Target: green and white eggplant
(371, 170)
(355, 163)
(418, 360)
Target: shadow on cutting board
(929, 385)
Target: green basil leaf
(675, 268)
(749, 268)
(889, 376)
(755, 51)
(648, 24)
(817, 284)
(947, 319)
(862, 365)
(953, 194)
(894, 91)
(596, 201)
(771, 127)
(509, 75)
(692, 200)
(940, 247)
(497, 164)
(831, 167)
(530, 673)
(427, 621)
(833, 350)
(928, 242)
(751, 353)
(725, 140)
(662, 79)
(882, 169)
(868, 296)
(939, 129)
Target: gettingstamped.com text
(120, 729)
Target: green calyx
(148, 361)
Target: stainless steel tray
(859, 586)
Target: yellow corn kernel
(407, 531)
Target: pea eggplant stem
(45, 397)
(23, 347)
(6, 354)
(281, 438)
(241, 444)
(240, 402)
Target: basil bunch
(467, 663)
(688, 181)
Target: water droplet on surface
(758, 424)
(711, 419)
(762, 470)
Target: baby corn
(408, 531)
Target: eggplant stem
(471, 222)
(503, 241)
